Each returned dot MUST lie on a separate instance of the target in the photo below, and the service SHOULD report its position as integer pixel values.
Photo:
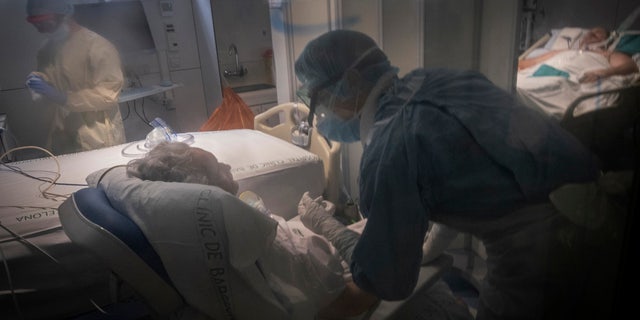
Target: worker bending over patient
(308, 277)
(445, 146)
(79, 74)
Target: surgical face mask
(336, 100)
(338, 129)
(59, 34)
(339, 109)
(343, 127)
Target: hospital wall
(552, 14)
(246, 25)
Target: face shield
(50, 17)
(337, 102)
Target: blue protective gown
(450, 143)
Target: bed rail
(609, 132)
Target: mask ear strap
(313, 98)
(312, 107)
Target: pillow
(566, 38)
(554, 36)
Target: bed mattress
(44, 275)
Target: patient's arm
(351, 302)
(526, 63)
(621, 64)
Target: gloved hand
(314, 212)
(317, 215)
(437, 241)
(40, 86)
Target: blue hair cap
(40, 7)
(329, 56)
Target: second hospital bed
(552, 85)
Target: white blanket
(222, 255)
(553, 94)
(208, 241)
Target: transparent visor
(338, 100)
(340, 97)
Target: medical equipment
(161, 132)
(629, 20)
(301, 132)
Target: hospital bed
(42, 267)
(291, 114)
(551, 86)
(46, 275)
(161, 279)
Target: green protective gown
(87, 68)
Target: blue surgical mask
(338, 129)
(60, 34)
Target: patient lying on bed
(620, 63)
(304, 272)
(557, 75)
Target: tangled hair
(170, 162)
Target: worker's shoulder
(443, 72)
(91, 36)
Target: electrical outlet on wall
(3, 122)
(166, 8)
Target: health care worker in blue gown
(79, 74)
(450, 147)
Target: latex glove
(314, 212)
(40, 86)
(437, 241)
(317, 215)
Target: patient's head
(178, 162)
(595, 35)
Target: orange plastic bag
(233, 113)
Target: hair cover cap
(327, 57)
(40, 7)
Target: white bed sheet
(277, 171)
(553, 94)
